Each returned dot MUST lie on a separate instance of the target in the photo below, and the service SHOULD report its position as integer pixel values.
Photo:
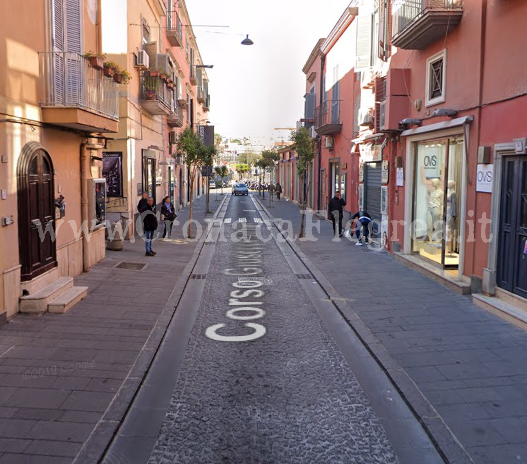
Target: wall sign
(400, 177)
(112, 171)
(385, 171)
(484, 178)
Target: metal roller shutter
(372, 192)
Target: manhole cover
(131, 266)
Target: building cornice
(316, 52)
(343, 23)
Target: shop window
(436, 79)
(436, 202)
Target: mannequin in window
(451, 215)
(435, 209)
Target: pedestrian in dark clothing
(142, 203)
(363, 222)
(336, 211)
(169, 215)
(278, 190)
(149, 225)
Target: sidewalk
(469, 365)
(59, 374)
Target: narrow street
(265, 377)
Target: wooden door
(36, 214)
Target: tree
(305, 150)
(190, 147)
(247, 158)
(222, 171)
(242, 168)
(266, 161)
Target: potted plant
(127, 77)
(109, 68)
(96, 60)
(163, 74)
(151, 85)
(118, 75)
(153, 72)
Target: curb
(101, 437)
(443, 439)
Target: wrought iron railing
(69, 81)
(153, 88)
(174, 24)
(176, 117)
(327, 113)
(405, 12)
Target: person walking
(169, 215)
(336, 208)
(363, 222)
(278, 190)
(149, 225)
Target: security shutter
(372, 191)
(364, 41)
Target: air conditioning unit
(328, 142)
(143, 60)
(366, 119)
(313, 132)
(382, 116)
(172, 138)
(179, 159)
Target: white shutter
(58, 25)
(364, 41)
(74, 62)
(57, 39)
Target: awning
(439, 126)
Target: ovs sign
(484, 178)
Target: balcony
(156, 97)
(201, 95)
(193, 78)
(76, 95)
(416, 24)
(174, 29)
(175, 119)
(206, 105)
(327, 118)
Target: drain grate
(131, 266)
(209, 243)
(198, 276)
(304, 276)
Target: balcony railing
(418, 23)
(156, 97)
(327, 118)
(206, 105)
(175, 119)
(69, 81)
(174, 29)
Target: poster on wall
(400, 177)
(384, 232)
(112, 171)
(361, 196)
(385, 171)
(384, 200)
(484, 178)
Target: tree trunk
(303, 207)
(191, 188)
(208, 194)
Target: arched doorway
(36, 211)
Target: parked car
(212, 184)
(240, 189)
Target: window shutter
(58, 49)
(58, 25)
(384, 30)
(364, 41)
(73, 26)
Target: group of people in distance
(362, 218)
(147, 209)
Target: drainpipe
(322, 63)
(85, 169)
(99, 26)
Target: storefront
(370, 188)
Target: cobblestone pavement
(286, 397)
(59, 373)
(469, 364)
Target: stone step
(67, 300)
(38, 301)
(501, 308)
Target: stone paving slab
(458, 355)
(60, 373)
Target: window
(146, 34)
(436, 79)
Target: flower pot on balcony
(163, 77)
(150, 94)
(153, 73)
(96, 62)
(118, 77)
(109, 72)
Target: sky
(257, 88)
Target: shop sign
(432, 165)
(484, 178)
(384, 172)
(400, 177)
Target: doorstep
(438, 275)
(506, 305)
